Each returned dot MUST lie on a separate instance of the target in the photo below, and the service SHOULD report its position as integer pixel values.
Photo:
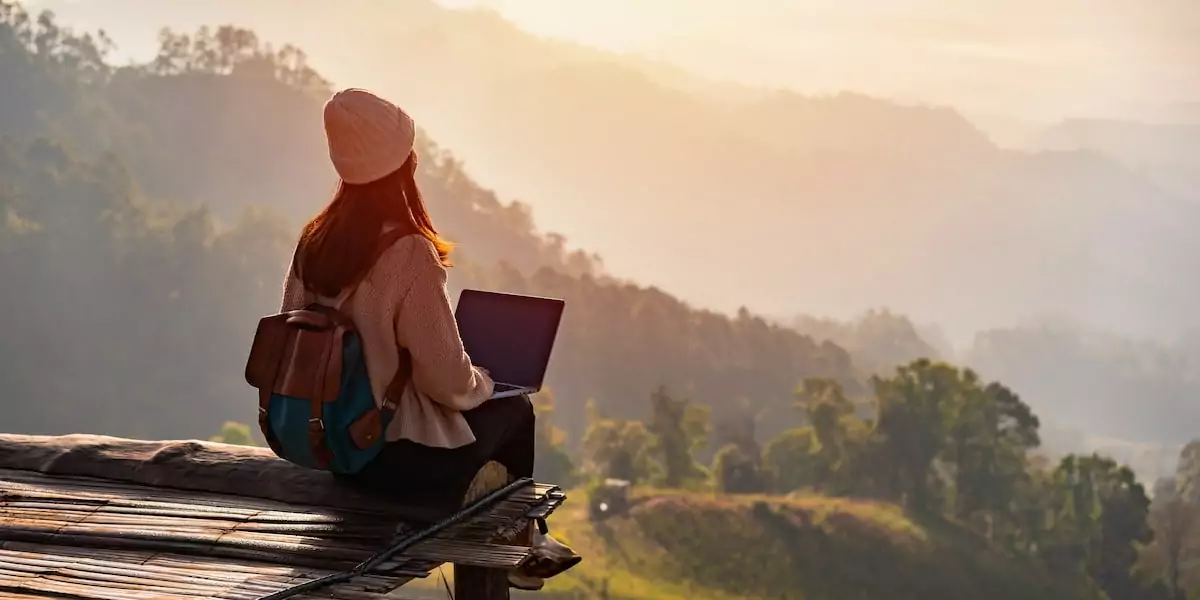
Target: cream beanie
(368, 136)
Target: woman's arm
(293, 291)
(425, 325)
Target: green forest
(148, 215)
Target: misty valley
(839, 347)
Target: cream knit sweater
(403, 303)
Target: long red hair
(337, 245)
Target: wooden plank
(496, 556)
(108, 519)
(196, 466)
(26, 488)
(64, 569)
(54, 556)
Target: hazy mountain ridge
(1168, 153)
(201, 128)
(621, 152)
(487, 89)
(128, 310)
(931, 215)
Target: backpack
(315, 405)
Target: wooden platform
(185, 520)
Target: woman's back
(402, 303)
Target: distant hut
(609, 499)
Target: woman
(445, 427)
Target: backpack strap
(395, 388)
(399, 381)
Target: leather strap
(316, 417)
(264, 402)
(264, 422)
(395, 388)
(316, 435)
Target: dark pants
(504, 432)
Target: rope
(399, 546)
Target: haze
(1023, 58)
(864, 299)
(1016, 67)
(976, 166)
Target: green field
(713, 547)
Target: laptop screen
(509, 335)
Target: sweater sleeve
(425, 325)
(294, 296)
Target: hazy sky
(1080, 56)
(1008, 64)
(1013, 58)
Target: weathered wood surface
(34, 571)
(473, 582)
(112, 519)
(199, 466)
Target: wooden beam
(474, 583)
(201, 467)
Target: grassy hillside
(713, 547)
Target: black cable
(400, 546)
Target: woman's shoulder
(413, 247)
(410, 255)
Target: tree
(679, 428)
(1187, 472)
(789, 462)
(914, 406)
(737, 466)
(737, 472)
(552, 462)
(1175, 519)
(1100, 520)
(234, 433)
(1175, 523)
(830, 415)
(990, 432)
(877, 339)
(614, 448)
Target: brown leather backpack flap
(311, 364)
(266, 352)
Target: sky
(1018, 59)
(1012, 67)
(1106, 56)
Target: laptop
(510, 335)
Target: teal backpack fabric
(290, 421)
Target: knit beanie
(368, 136)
